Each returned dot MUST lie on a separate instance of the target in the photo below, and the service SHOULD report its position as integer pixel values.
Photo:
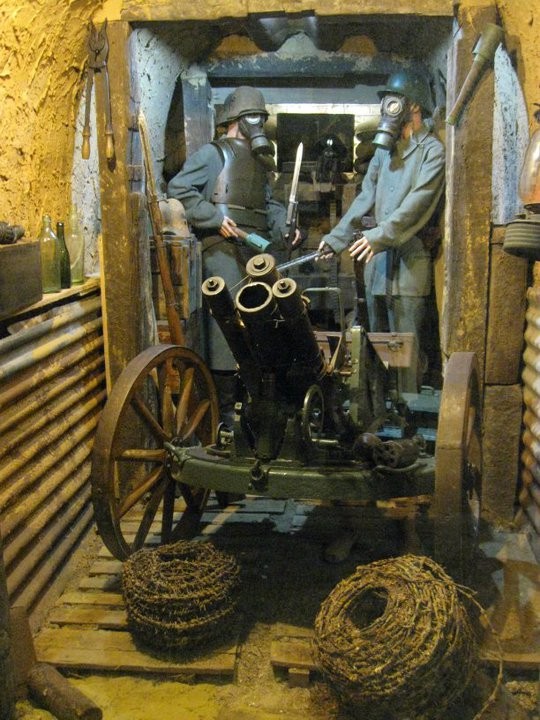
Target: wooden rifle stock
(173, 316)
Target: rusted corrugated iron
(529, 496)
(52, 390)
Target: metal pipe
(46, 411)
(38, 466)
(74, 311)
(18, 515)
(55, 529)
(34, 402)
(42, 515)
(7, 682)
(45, 350)
(35, 376)
(35, 590)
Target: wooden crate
(20, 276)
(395, 349)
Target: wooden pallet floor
(87, 630)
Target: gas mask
(252, 127)
(394, 114)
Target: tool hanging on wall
(484, 53)
(98, 51)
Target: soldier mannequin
(402, 187)
(224, 186)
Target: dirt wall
(42, 55)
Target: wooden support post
(7, 685)
(123, 276)
(53, 692)
(469, 200)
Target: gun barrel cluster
(267, 326)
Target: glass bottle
(65, 269)
(50, 257)
(529, 181)
(75, 245)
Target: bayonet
(292, 207)
(299, 260)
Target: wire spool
(394, 640)
(181, 595)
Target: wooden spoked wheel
(455, 509)
(165, 395)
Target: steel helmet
(245, 100)
(414, 86)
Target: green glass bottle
(75, 244)
(50, 257)
(65, 268)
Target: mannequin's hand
(325, 251)
(297, 240)
(228, 227)
(361, 250)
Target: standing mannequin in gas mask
(401, 189)
(224, 186)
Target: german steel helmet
(245, 100)
(412, 85)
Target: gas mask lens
(252, 127)
(393, 112)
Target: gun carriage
(306, 426)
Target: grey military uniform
(401, 189)
(198, 189)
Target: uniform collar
(406, 147)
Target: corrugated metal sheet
(529, 497)
(52, 390)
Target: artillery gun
(306, 425)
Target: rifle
(173, 316)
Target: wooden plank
(100, 582)
(514, 660)
(104, 618)
(298, 677)
(123, 276)
(76, 597)
(296, 651)
(293, 653)
(81, 648)
(159, 10)
(285, 630)
(292, 647)
(469, 198)
(107, 566)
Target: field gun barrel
(257, 308)
(300, 336)
(263, 268)
(220, 303)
